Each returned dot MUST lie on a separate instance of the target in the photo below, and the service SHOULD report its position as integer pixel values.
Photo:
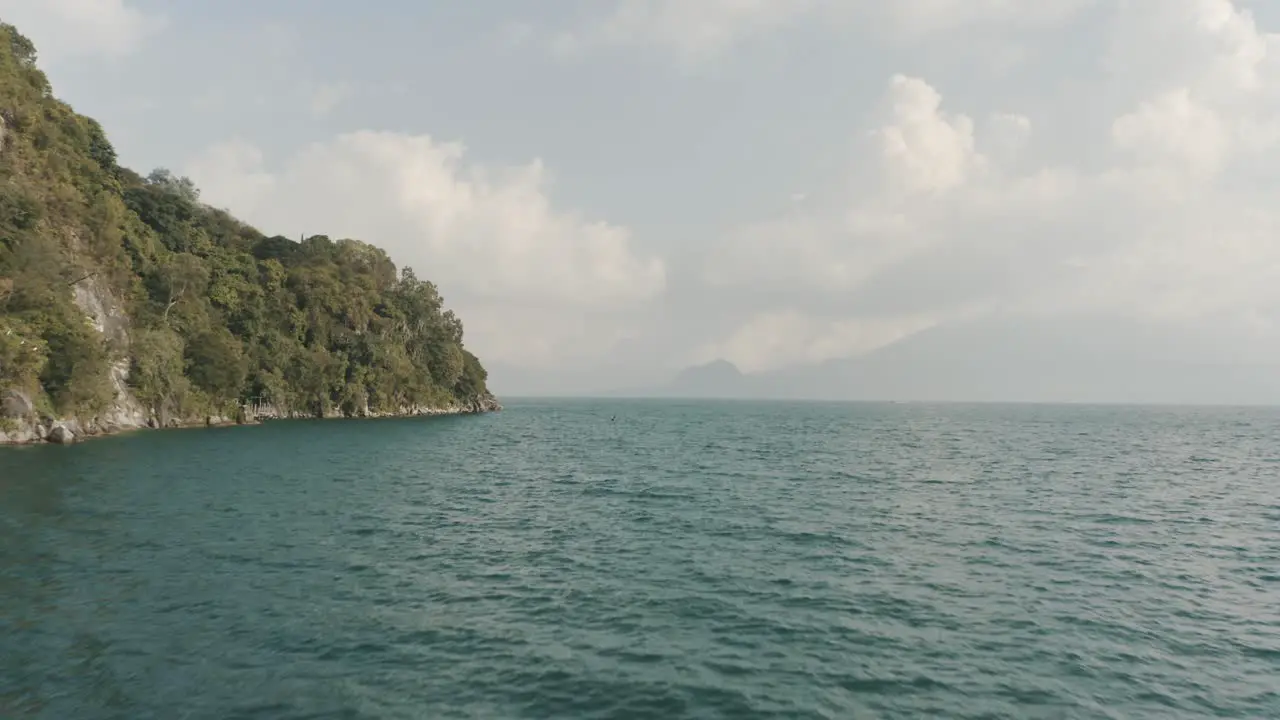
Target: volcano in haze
(1069, 360)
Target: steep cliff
(125, 302)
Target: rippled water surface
(699, 560)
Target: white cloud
(1210, 83)
(525, 275)
(925, 156)
(1170, 227)
(561, 337)
(68, 29)
(235, 176)
(1142, 184)
(923, 149)
(1174, 127)
(1213, 47)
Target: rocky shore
(22, 424)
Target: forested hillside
(123, 295)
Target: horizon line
(869, 401)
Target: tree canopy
(215, 312)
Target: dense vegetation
(216, 313)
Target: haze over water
(698, 559)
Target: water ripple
(703, 560)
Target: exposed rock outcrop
(68, 430)
(482, 404)
(24, 424)
(61, 435)
(110, 319)
(16, 405)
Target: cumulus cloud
(1209, 79)
(529, 277)
(1139, 185)
(1169, 227)
(926, 156)
(1214, 47)
(69, 29)
(1177, 129)
(925, 149)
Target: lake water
(684, 560)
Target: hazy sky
(609, 189)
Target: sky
(607, 191)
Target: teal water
(686, 560)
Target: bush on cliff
(205, 311)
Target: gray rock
(16, 404)
(61, 435)
(25, 433)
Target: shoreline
(72, 431)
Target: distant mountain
(717, 379)
(1085, 358)
(1073, 359)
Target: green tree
(215, 363)
(215, 312)
(179, 277)
(165, 180)
(22, 353)
(76, 374)
(158, 372)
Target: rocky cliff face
(21, 422)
